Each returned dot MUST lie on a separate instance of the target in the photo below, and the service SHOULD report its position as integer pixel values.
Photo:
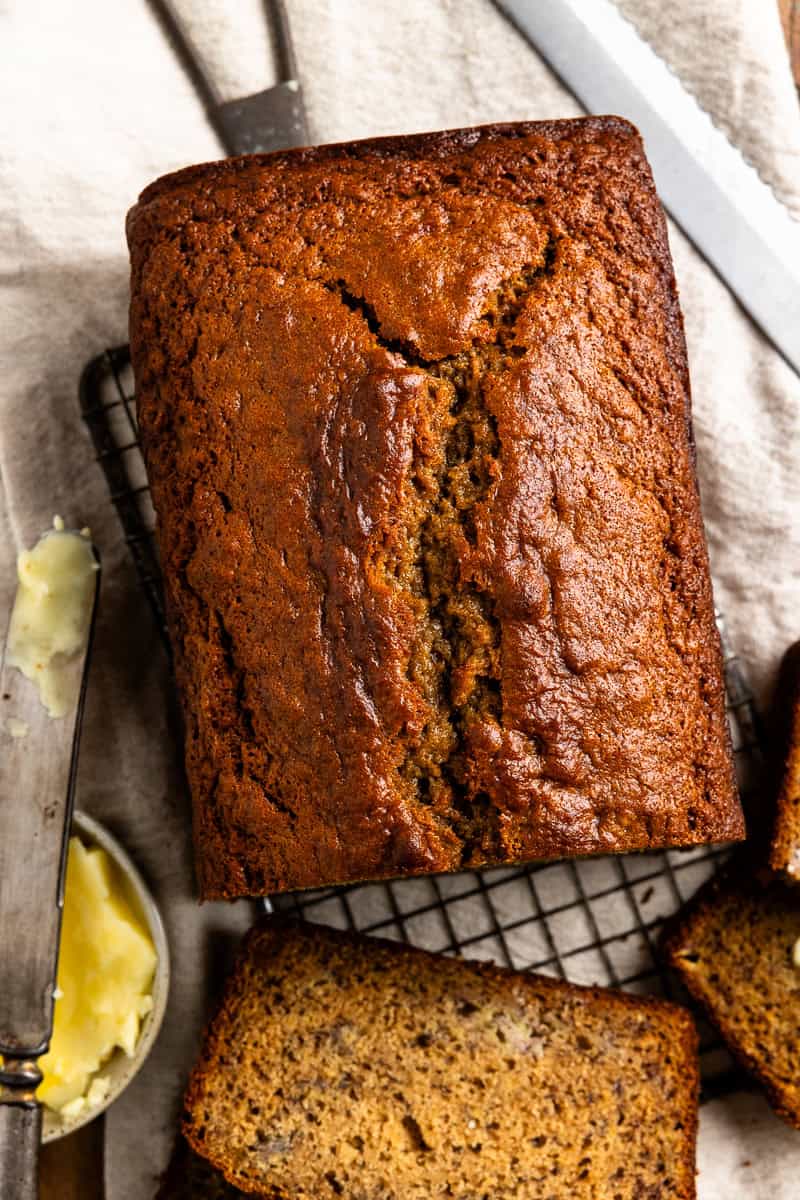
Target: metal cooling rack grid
(589, 921)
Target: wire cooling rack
(588, 921)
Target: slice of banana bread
(345, 1066)
(415, 413)
(786, 840)
(733, 947)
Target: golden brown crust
(732, 948)
(785, 855)
(416, 419)
(346, 1065)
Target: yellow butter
(105, 975)
(52, 610)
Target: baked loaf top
(341, 1065)
(415, 413)
(733, 949)
(786, 840)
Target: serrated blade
(719, 201)
(37, 780)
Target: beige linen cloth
(94, 106)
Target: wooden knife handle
(20, 1136)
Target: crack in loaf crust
(416, 420)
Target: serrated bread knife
(732, 217)
(37, 781)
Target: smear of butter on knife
(52, 611)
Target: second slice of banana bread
(733, 947)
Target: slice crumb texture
(345, 1066)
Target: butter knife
(273, 119)
(37, 783)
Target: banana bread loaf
(344, 1066)
(415, 413)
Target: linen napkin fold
(100, 106)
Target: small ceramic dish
(120, 1070)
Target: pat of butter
(105, 976)
(98, 1090)
(52, 611)
(796, 954)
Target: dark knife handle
(20, 1135)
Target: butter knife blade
(37, 783)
